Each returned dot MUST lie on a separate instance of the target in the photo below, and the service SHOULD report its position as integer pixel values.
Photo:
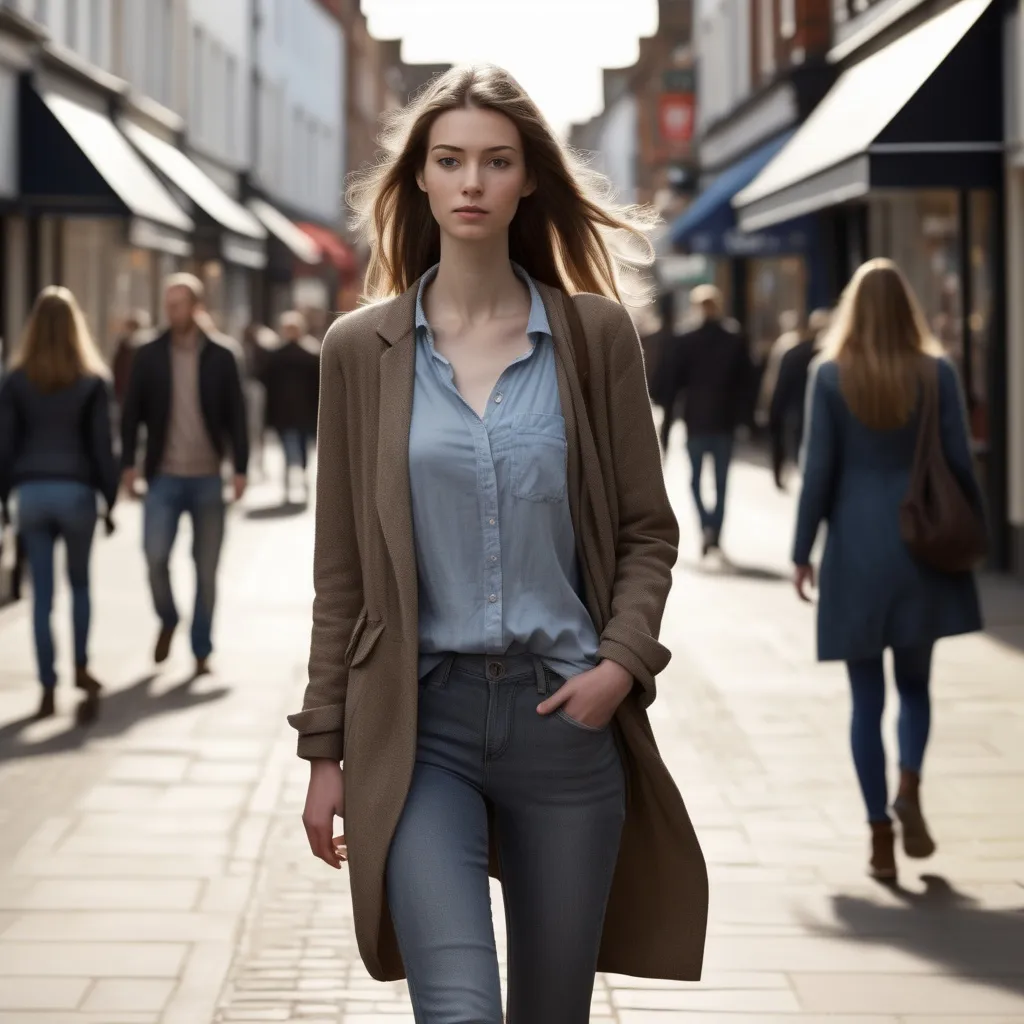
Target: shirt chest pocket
(538, 457)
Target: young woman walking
(861, 435)
(56, 451)
(494, 548)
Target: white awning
(302, 247)
(828, 160)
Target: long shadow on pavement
(940, 924)
(110, 716)
(726, 569)
(285, 511)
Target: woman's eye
(447, 161)
(500, 162)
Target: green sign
(678, 80)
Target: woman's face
(475, 173)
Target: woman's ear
(419, 180)
(530, 187)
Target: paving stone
(49, 993)
(92, 959)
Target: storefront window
(982, 252)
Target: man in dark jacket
(712, 372)
(291, 376)
(186, 391)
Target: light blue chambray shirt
(495, 546)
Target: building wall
(724, 65)
(617, 145)
(150, 46)
(81, 25)
(300, 146)
(219, 79)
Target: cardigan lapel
(394, 501)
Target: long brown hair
(56, 347)
(878, 338)
(568, 233)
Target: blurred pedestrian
(135, 332)
(712, 373)
(56, 452)
(792, 331)
(861, 437)
(463, 420)
(186, 391)
(291, 376)
(258, 342)
(786, 413)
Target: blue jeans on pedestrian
(295, 445)
(912, 668)
(48, 510)
(167, 499)
(556, 790)
(719, 448)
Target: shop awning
(334, 248)
(75, 160)
(290, 235)
(923, 112)
(245, 237)
(711, 214)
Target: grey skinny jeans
(557, 791)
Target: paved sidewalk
(153, 869)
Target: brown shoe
(202, 667)
(84, 681)
(883, 852)
(917, 841)
(163, 645)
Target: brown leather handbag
(937, 521)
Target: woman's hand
(803, 576)
(325, 798)
(591, 697)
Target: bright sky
(555, 48)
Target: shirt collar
(537, 323)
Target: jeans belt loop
(541, 674)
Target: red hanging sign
(676, 112)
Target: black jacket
(291, 375)
(60, 435)
(791, 386)
(148, 403)
(711, 366)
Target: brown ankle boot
(883, 852)
(85, 681)
(917, 841)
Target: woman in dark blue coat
(862, 419)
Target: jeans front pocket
(538, 457)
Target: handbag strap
(581, 354)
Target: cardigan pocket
(365, 643)
(538, 457)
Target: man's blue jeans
(168, 498)
(719, 448)
(912, 667)
(47, 510)
(556, 790)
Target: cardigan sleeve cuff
(613, 651)
(321, 731)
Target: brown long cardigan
(361, 702)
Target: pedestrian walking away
(713, 373)
(493, 553)
(864, 410)
(186, 390)
(291, 376)
(56, 453)
(786, 402)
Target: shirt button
(498, 397)
(494, 558)
(493, 599)
(491, 522)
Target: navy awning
(711, 215)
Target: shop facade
(904, 158)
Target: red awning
(333, 248)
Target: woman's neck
(475, 283)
